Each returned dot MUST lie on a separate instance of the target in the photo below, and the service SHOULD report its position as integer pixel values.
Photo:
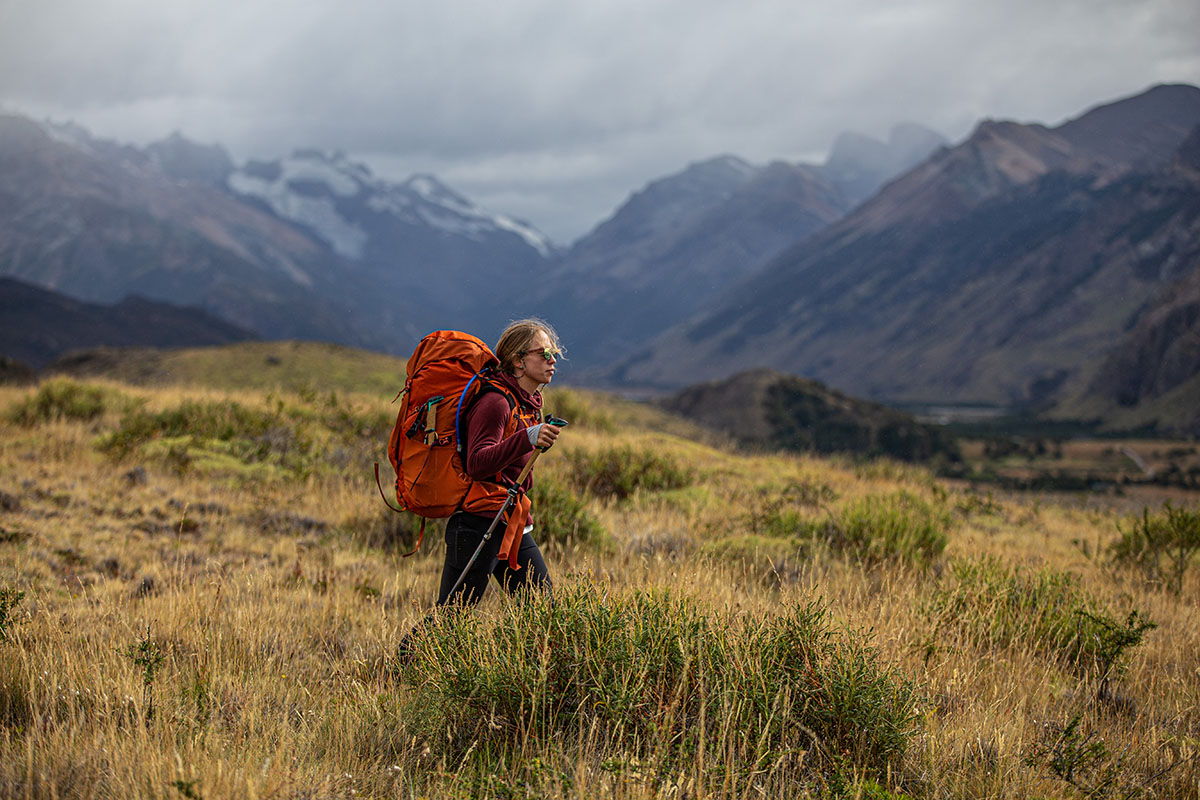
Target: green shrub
(60, 398)
(648, 675)
(576, 410)
(562, 516)
(1000, 606)
(899, 526)
(1160, 545)
(784, 511)
(619, 472)
(221, 434)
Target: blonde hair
(517, 337)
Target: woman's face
(537, 368)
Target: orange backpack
(446, 372)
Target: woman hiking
(502, 430)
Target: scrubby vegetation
(202, 595)
(620, 472)
(1160, 545)
(661, 687)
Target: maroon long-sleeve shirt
(488, 451)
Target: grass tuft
(620, 472)
(999, 606)
(652, 677)
(62, 398)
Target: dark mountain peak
(1141, 130)
(37, 324)
(669, 202)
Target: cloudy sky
(556, 110)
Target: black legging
(464, 532)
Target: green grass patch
(649, 677)
(62, 398)
(998, 606)
(296, 439)
(620, 472)
(562, 516)
(900, 525)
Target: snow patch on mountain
(328, 194)
(468, 219)
(316, 213)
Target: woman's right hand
(546, 434)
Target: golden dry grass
(277, 622)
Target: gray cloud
(555, 111)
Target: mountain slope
(417, 240)
(101, 222)
(309, 247)
(1151, 377)
(990, 273)
(38, 325)
(675, 246)
(678, 244)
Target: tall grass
(277, 605)
(620, 471)
(63, 398)
(1000, 606)
(652, 679)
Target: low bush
(223, 435)
(619, 472)
(649, 677)
(783, 511)
(1160, 545)
(900, 526)
(61, 398)
(574, 408)
(999, 606)
(870, 530)
(562, 516)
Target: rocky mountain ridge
(995, 272)
(679, 243)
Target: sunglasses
(548, 353)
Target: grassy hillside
(288, 365)
(201, 595)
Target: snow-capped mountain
(312, 246)
(422, 241)
(339, 200)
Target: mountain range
(1027, 265)
(313, 245)
(1011, 269)
(683, 240)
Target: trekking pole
(509, 499)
